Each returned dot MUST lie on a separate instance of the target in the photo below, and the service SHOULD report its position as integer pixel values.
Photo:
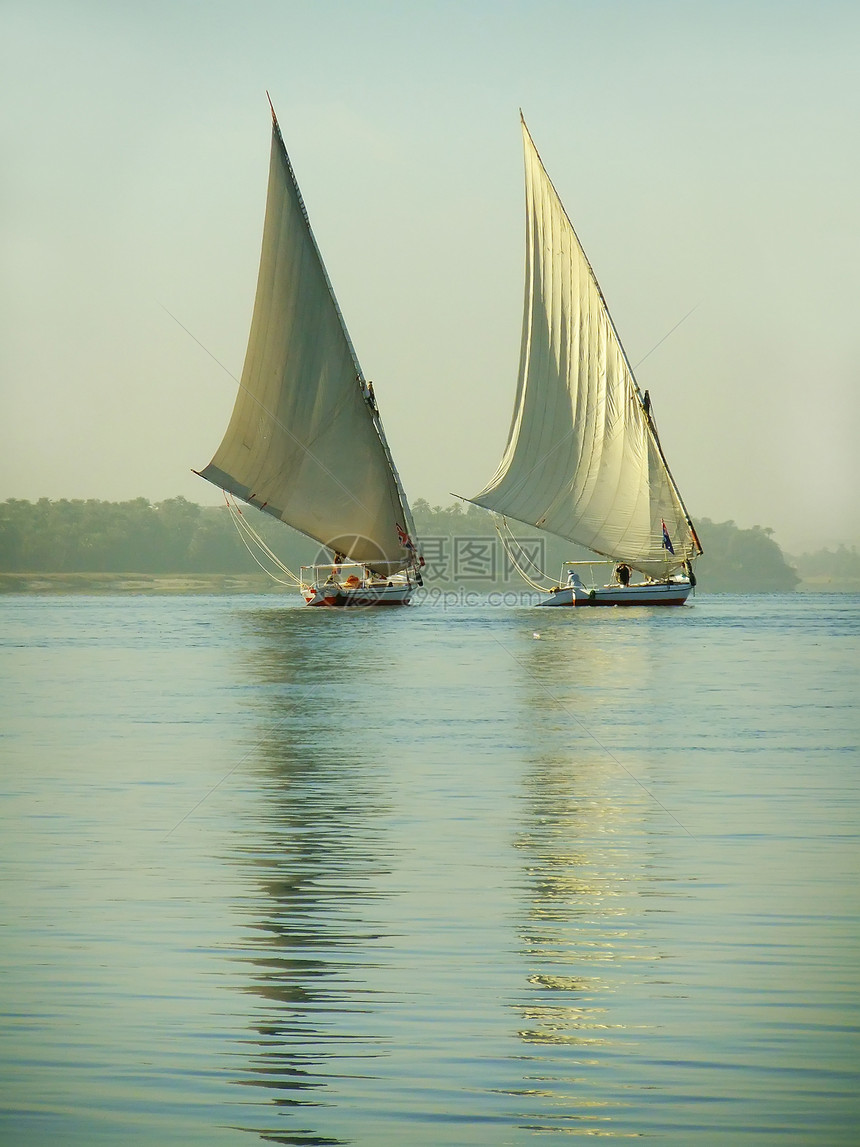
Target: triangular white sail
(583, 459)
(304, 442)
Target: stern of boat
(674, 592)
(335, 587)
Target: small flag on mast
(667, 541)
(404, 538)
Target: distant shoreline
(227, 584)
(132, 583)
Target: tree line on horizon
(176, 536)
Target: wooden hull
(362, 597)
(646, 593)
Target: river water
(464, 875)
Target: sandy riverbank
(89, 583)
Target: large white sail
(583, 459)
(304, 442)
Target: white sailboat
(305, 442)
(583, 458)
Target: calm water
(467, 876)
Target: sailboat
(305, 441)
(583, 458)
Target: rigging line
(520, 571)
(520, 548)
(566, 438)
(517, 486)
(594, 279)
(512, 557)
(594, 738)
(291, 580)
(520, 483)
(292, 584)
(246, 530)
(297, 697)
(276, 128)
(665, 336)
(271, 415)
(377, 421)
(206, 796)
(228, 774)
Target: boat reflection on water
(316, 849)
(446, 877)
(590, 848)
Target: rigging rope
(507, 548)
(246, 531)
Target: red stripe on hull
(340, 603)
(638, 601)
(358, 600)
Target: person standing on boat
(574, 580)
(622, 572)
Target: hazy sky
(707, 153)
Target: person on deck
(574, 580)
(622, 572)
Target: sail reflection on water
(316, 849)
(590, 859)
(446, 877)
